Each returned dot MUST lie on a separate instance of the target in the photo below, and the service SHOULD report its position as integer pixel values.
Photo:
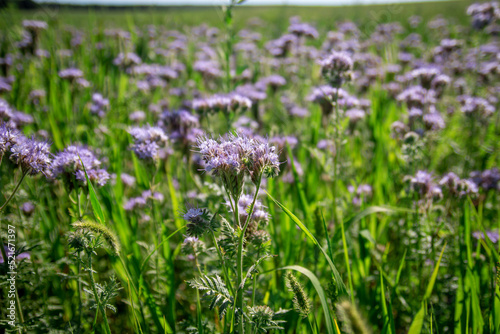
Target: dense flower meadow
(226, 180)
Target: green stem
(96, 295)
(255, 281)
(336, 157)
(80, 215)
(80, 303)
(198, 302)
(239, 297)
(223, 263)
(14, 192)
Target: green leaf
(319, 289)
(418, 321)
(340, 284)
(430, 286)
(158, 247)
(94, 201)
(366, 212)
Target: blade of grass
(319, 289)
(340, 284)
(418, 321)
(94, 201)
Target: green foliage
(262, 319)
(215, 291)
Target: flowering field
(244, 170)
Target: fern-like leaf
(215, 291)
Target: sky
(221, 2)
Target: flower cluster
(336, 68)
(233, 157)
(99, 105)
(8, 137)
(423, 183)
(69, 164)
(149, 142)
(141, 201)
(182, 126)
(199, 220)
(458, 187)
(483, 13)
(31, 155)
(226, 103)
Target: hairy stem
(239, 259)
(14, 192)
(96, 295)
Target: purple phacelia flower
(233, 157)
(67, 165)
(472, 106)
(71, 74)
(487, 180)
(99, 105)
(303, 29)
(127, 179)
(336, 68)
(148, 141)
(8, 137)
(126, 60)
(434, 121)
(31, 155)
(225, 103)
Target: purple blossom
(303, 29)
(483, 13)
(423, 183)
(224, 103)
(127, 179)
(28, 208)
(23, 255)
(137, 116)
(148, 141)
(492, 235)
(67, 165)
(127, 59)
(336, 67)
(31, 155)
(487, 180)
(434, 121)
(34, 25)
(141, 201)
(472, 105)
(71, 74)
(8, 137)
(208, 68)
(236, 155)
(99, 105)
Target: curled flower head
(148, 141)
(483, 13)
(259, 214)
(235, 156)
(68, 165)
(32, 155)
(336, 68)
(33, 25)
(8, 137)
(199, 221)
(99, 105)
(71, 74)
(423, 183)
(141, 201)
(226, 103)
(475, 106)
